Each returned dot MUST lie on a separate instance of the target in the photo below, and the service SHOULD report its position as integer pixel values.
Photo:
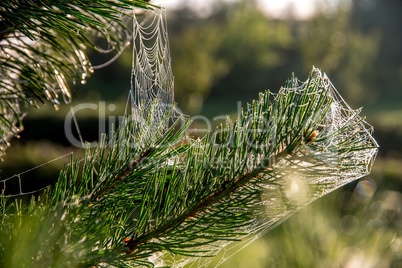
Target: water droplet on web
(83, 82)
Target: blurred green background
(229, 54)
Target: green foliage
(332, 42)
(251, 50)
(42, 49)
(152, 186)
(150, 189)
(225, 50)
(197, 65)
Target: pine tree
(149, 194)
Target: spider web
(299, 181)
(152, 77)
(151, 80)
(310, 174)
(13, 186)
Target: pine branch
(240, 185)
(43, 49)
(150, 196)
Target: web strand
(18, 179)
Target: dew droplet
(83, 82)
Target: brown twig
(222, 192)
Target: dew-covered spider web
(151, 77)
(307, 175)
(151, 80)
(311, 173)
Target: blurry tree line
(238, 51)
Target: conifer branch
(223, 192)
(43, 49)
(122, 175)
(150, 197)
